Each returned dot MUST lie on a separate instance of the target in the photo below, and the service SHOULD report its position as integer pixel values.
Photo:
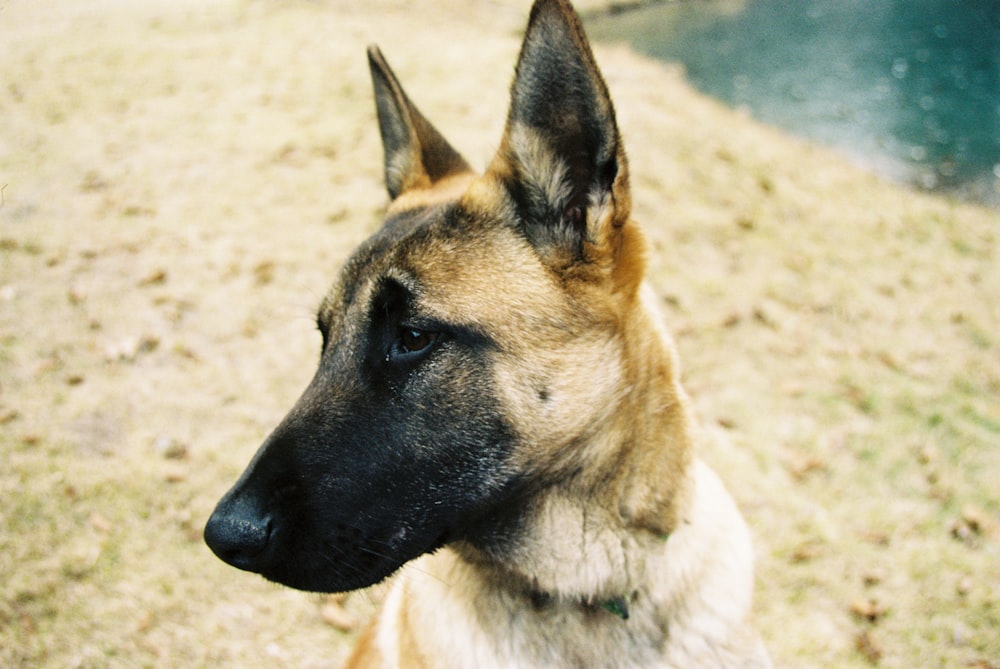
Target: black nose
(238, 535)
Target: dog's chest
(446, 618)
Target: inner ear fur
(561, 158)
(416, 154)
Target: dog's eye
(412, 340)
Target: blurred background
(180, 181)
(909, 88)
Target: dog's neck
(587, 539)
(657, 454)
(572, 550)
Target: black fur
(389, 453)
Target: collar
(617, 606)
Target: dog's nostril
(240, 541)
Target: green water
(908, 88)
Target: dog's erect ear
(416, 154)
(561, 157)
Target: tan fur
(444, 190)
(631, 514)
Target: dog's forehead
(457, 263)
(407, 240)
(372, 256)
(409, 244)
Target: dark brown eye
(412, 340)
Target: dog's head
(470, 347)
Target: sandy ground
(180, 181)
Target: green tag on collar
(617, 606)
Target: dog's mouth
(351, 557)
(347, 556)
(359, 559)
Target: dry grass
(180, 181)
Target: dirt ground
(180, 181)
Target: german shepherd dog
(498, 405)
